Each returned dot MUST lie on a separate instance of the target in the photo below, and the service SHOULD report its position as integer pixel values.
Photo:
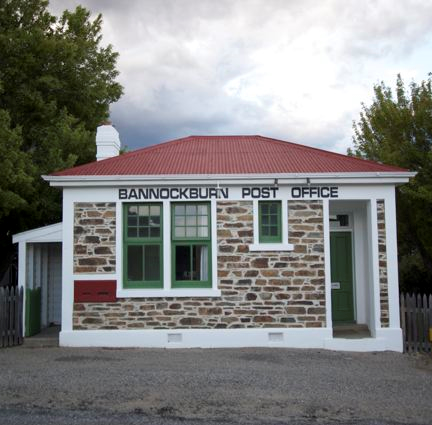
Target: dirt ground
(226, 386)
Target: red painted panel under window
(92, 291)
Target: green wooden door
(341, 276)
(33, 311)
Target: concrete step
(32, 342)
(48, 337)
(351, 331)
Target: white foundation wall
(387, 340)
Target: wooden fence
(11, 313)
(416, 322)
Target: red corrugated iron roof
(226, 155)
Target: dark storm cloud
(286, 69)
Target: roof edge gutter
(295, 178)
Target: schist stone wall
(382, 250)
(94, 237)
(259, 289)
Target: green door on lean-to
(341, 277)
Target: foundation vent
(175, 338)
(275, 336)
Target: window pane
(143, 232)
(154, 220)
(154, 232)
(135, 263)
(179, 232)
(132, 220)
(182, 260)
(180, 221)
(191, 209)
(199, 262)
(143, 210)
(202, 210)
(152, 262)
(191, 231)
(144, 221)
(270, 225)
(191, 220)
(133, 210)
(132, 232)
(195, 221)
(179, 210)
(155, 210)
(191, 262)
(343, 220)
(273, 208)
(142, 217)
(202, 220)
(203, 232)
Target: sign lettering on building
(247, 192)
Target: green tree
(16, 182)
(397, 129)
(57, 82)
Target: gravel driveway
(217, 386)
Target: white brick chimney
(107, 142)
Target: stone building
(228, 241)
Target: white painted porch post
(44, 284)
(327, 269)
(30, 273)
(375, 264)
(67, 262)
(392, 261)
(22, 274)
(213, 230)
(166, 223)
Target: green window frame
(191, 245)
(270, 221)
(142, 245)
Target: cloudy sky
(288, 69)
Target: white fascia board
(361, 180)
(51, 233)
(234, 179)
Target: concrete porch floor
(47, 337)
(351, 331)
